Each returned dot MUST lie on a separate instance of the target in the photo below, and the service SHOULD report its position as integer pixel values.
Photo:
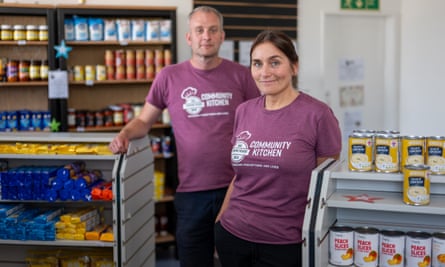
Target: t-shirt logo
(193, 104)
(241, 149)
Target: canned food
(79, 73)
(386, 149)
(366, 247)
(418, 249)
(360, 152)
(412, 150)
(90, 73)
(438, 250)
(341, 243)
(435, 157)
(101, 73)
(392, 246)
(416, 184)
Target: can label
(438, 250)
(392, 245)
(366, 247)
(418, 249)
(416, 185)
(435, 157)
(360, 152)
(387, 153)
(413, 150)
(341, 243)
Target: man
(201, 95)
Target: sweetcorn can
(435, 154)
(366, 247)
(360, 152)
(391, 248)
(438, 249)
(412, 150)
(416, 184)
(386, 152)
(341, 245)
(418, 249)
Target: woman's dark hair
(281, 41)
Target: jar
(32, 33)
(12, 73)
(24, 70)
(19, 33)
(71, 118)
(6, 32)
(44, 70)
(43, 33)
(34, 70)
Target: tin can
(109, 58)
(111, 74)
(387, 157)
(130, 57)
(412, 150)
(392, 246)
(418, 249)
(366, 247)
(101, 73)
(438, 249)
(360, 152)
(416, 184)
(140, 57)
(341, 245)
(79, 73)
(149, 57)
(435, 154)
(90, 73)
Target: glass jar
(6, 32)
(19, 33)
(34, 70)
(44, 70)
(24, 70)
(43, 33)
(32, 33)
(12, 73)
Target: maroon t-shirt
(274, 153)
(202, 105)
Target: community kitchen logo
(265, 149)
(194, 104)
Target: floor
(166, 257)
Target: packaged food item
(386, 153)
(412, 150)
(32, 33)
(438, 249)
(392, 248)
(123, 30)
(418, 249)
(43, 33)
(19, 33)
(341, 245)
(416, 184)
(69, 29)
(435, 154)
(80, 28)
(360, 153)
(366, 247)
(110, 31)
(96, 29)
(138, 30)
(6, 32)
(152, 28)
(165, 29)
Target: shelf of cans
(368, 246)
(124, 64)
(24, 120)
(390, 151)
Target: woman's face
(271, 69)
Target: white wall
(422, 92)
(183, 9)
(421, 62)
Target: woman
(279, 138)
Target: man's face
(205, 35)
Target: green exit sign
(360, 4)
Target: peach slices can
(341, 242)
(418, 249)
(392, 245)
(366, 247)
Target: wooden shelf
(107, 82)
(22, 84)
(114, 128)
(114, 43)
(165, 239)
(24, 42)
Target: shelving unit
(360, 199)
(131, 211)
(27, 95)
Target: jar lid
(31, 27)
(19, 27)
(43, 27)
(5, 27)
